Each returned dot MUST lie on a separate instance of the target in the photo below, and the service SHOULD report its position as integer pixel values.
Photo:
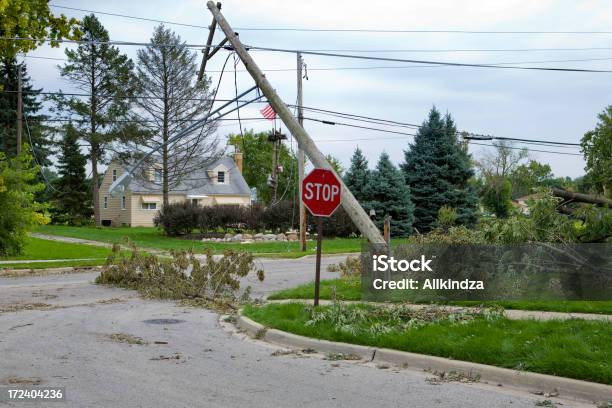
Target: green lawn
(350, 289)
(66, 254)
(571, 348)
(147, 237)
(37, 248)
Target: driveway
(57, 331)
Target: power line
(441, 63)
(326, 122)
(344, 30)
(503, 65)
(373, 67)
(386, 122)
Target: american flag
(268, 113)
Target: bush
(182, 218)
(19, 212)
(178, 218)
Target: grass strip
(350, 289)
(570, 348)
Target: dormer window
(221, 177)
(158, 175)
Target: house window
(194, 201)
(105, 202)
(114, 174)
(123, 202)
(149, 206)
(158, 175)
(221, 177)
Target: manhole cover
(163, 321)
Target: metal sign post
(321, 194)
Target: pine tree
(388, 194)
(356, 177)
(71, 197)
(438, 169)
(100, 70)
(34, 132)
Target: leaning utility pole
(301, 155)
(349, 203)
(19, 110)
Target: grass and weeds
(36, 248)
(149, 237)
(569, 348)
(350, 289)
(57, 254)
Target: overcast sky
(548, 105)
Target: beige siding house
(137, 205)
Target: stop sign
(321, 192)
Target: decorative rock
(292, 236)
(247, 236)
(247, 241)
(228, 235)
(281, 237)
(236, 238)
(258, 235)
(270, 237)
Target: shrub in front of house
(183, 218)
(178, 218)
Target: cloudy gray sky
(548, 105)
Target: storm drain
(163, 321)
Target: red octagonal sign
(321, 192)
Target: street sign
(321, 192)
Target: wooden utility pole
(349, 202)
(19, 110)
(301, 155)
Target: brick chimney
(238, 159)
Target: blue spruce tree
(437, 170)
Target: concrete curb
(522, 380)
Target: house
(522, 202)
(221, 183)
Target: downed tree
(582, 198)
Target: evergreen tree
(101, 71)
(388, 194)
(34, 132)
(356, 177)
(71, 197)
(438, 169)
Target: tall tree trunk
(95, 181)
(165, 189)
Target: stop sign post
(321, 194)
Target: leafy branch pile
(214, 282)
(355, 319)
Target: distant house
(521, 202)
(221, 183)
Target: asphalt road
(65, 341)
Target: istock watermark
(537, 271)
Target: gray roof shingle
(200, 183)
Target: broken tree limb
(583, 198)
